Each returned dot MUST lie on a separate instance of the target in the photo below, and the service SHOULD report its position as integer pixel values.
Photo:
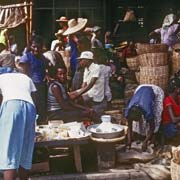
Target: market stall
(14, 15)
(56, 134)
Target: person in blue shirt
(35, 64)
(143, 113)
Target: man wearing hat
(63, 22)
(93, 86)
(74, 27)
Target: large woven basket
(133, 63)
(175, 61)
(151, 48)
(154, 71)
(153, 59)
(159, 80)
(175, 170)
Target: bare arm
(129, 134)
(1, 98)
(174, 118)
(84, 89)
(149, 135)
(151, 131)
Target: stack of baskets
(133, 63)
(175, 163)
(153, 60)
(176, 59)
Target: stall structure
(14, 15)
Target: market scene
(89, 89)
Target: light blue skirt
(17, 132)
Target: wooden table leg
(106, 155)
(77, 158)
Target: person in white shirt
(93, 87)
(58, 44)
(17, 124)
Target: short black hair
(37, 39)
(135, 112)
(173, 84)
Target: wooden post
(77, 158)
(30, 18)
(27, 23)
(106, 155)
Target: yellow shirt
(3, 37)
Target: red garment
(128, 52)
(168, 101)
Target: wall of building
(105, 13)
(45, 13)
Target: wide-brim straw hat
(122, 45)
(60, 32)
(62, 19)
(75, 26)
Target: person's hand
(120, 78)
(144, 146)
(73, 95)
(89, 112)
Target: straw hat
(62, 19)
(122, 45)
(60, 32)
(75, 25)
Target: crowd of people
(73, 81)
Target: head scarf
(168, 20)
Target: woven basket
(154, 71)
(151, 48)
(153, 59)
(133, 63)
(175, 170)
(176, 46)
(159, 80)
(175, 61)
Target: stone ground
(114, 175)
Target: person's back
(18, 130)
(144, 98)
(13, 88)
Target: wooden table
(75, 143)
